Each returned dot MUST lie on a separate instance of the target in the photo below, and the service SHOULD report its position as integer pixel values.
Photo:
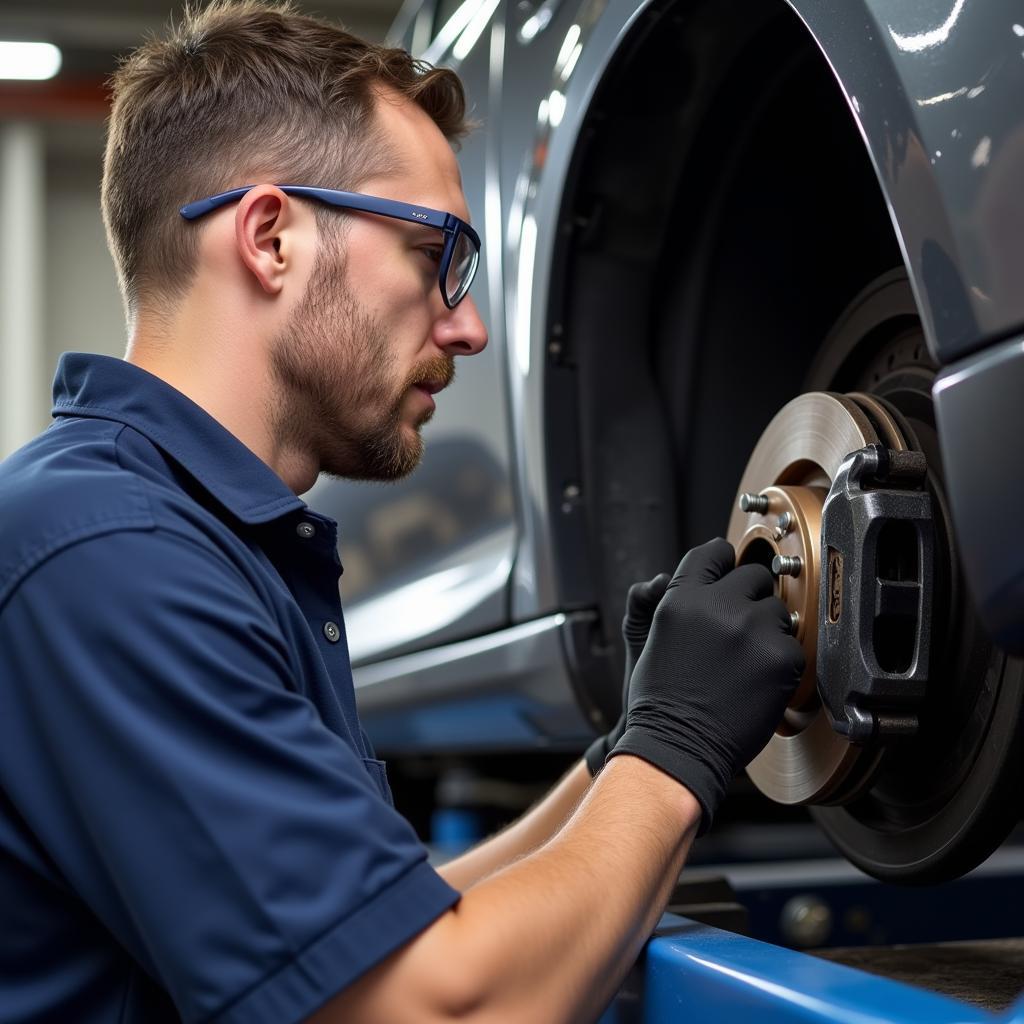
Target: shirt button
(332, 632)
(305, 530)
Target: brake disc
(932, 802)
(777, 519)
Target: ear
(262, 218)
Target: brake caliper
(875, 597)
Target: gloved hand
(641, 601)
(715, 675)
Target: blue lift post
(694, 973)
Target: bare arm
(541, 822)
(525, 834)
(550, 937)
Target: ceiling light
(29, 61)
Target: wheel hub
(790, 527)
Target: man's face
(371, 340)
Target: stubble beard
(336, 393)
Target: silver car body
(465, 641)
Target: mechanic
(193, 824)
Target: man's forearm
(524, 835)
(586, 901)
(550, 937)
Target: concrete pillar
(24, 389)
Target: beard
(337, 397)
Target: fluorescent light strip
(29, 61)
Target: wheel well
(720, 213)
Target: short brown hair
(243, 91)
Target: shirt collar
(112, 389)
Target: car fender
(934, 93)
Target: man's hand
(641, 602)
(715, 675)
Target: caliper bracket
(875, 598)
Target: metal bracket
(875, 597)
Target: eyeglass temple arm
(345, 200)
(196, 209)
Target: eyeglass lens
(461, 269)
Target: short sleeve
(229, 841)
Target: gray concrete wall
(58, 288)
(82, 309)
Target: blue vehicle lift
(693, 972)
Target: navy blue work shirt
(192, 822)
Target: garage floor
(988, 974)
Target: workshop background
(58, 289)
(774, 874)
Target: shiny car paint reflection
(933, 91)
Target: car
(767, 253)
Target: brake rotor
(788, 476)
(920, 808)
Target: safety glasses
(461, 254)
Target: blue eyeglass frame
(451, 226)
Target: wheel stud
(794, 622)
(754, 503)
(784, 565)
(783, 526)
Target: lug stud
(794, 622)
(784, 565)
(783, 526)
(754, 503)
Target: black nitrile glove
(641, 601)
(715, 675)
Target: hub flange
(790, 527)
